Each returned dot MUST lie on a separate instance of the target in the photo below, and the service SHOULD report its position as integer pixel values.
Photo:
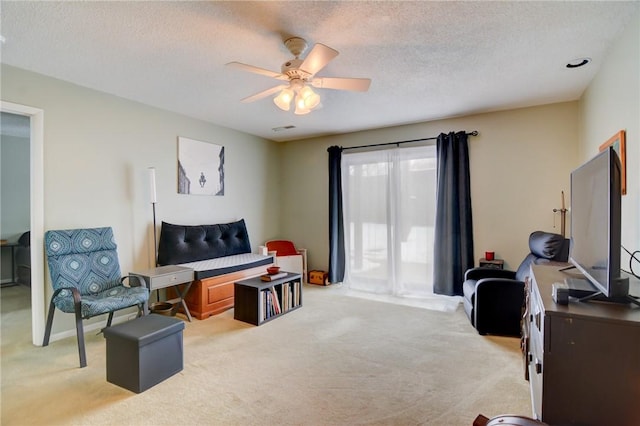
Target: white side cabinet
(169, 276)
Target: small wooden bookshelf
(257, 301)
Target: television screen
(596, 223)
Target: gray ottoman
(143, 352)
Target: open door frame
(36, 165)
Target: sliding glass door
(389, 216)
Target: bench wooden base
(214, 295)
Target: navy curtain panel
(336, 226)
(453, 237)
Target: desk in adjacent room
(12, 246)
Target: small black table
(494, 263)
(257, 301)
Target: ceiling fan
(300, 75)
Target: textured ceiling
(426, 60)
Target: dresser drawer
(171, 279)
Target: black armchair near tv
(493, 298)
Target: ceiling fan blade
(264, 93)
(353, 84)
(319, 56)
(257, 70)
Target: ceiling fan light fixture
(283, 100)
(310, 98)
(300, 75)
(301, 108)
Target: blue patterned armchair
(86, 280)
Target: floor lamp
(154, 200)
(563, 215)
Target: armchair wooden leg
(47, 330)
(110, 319)
(80, 332)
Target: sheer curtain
(389, 216)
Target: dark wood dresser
(582, 359)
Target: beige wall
(520, 163)
(97, 149)
(612, 103)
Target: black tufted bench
(219, 255)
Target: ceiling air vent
(282, 128)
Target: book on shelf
(269, 306)
(273, 277)
(289, 306)
(285, 297)
(276, 302)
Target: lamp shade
(311, 98)
(152, 185)
(301, 108)
(283, 100)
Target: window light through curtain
(389, 200)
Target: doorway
(36, 201)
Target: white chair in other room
(288, 257)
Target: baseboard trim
(91, 327)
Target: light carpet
(338, 360)
(433, 302)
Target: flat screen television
(596, 224)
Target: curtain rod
(474, 133)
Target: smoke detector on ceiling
(577, 63)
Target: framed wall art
(200, 167)
(617, 141)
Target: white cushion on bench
(224, 265)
